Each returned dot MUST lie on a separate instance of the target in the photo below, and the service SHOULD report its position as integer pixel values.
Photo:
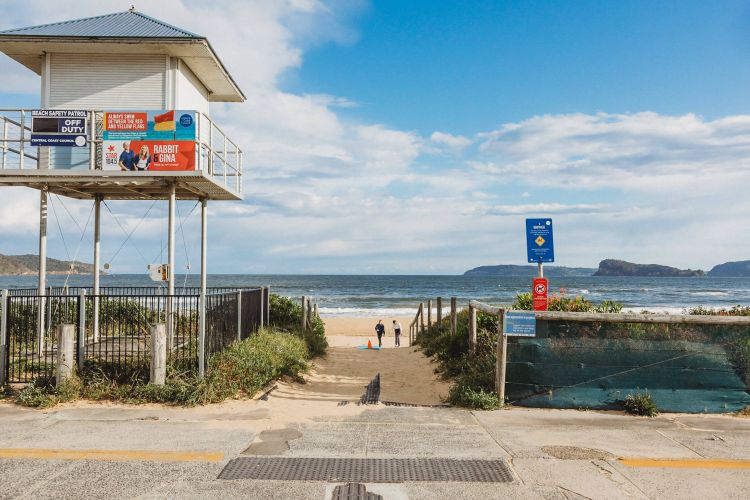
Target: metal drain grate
(367, 470)
(372, 392)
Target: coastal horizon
(399, 295)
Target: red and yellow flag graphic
(165, 121)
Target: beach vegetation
(641, 404)
(240, 371)
(561, 301)
(472, 375)
(286, 315)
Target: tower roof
(116, 34)
(128, 24)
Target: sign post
(540, 248)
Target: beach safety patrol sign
(539, 244)
(59, 127)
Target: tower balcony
(162, 148)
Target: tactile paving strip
(367, 470)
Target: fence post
(315, 310)
(202, 335)
(429, 313)
(472, 329)
(500, 359)
(3, 336)
(304, 313)
(158, 354)
(309, 312)
(239, 315)
(81, 329)
(65, 352)
(421, 319)
(49, 308)
(262, 306)
(268, 306)
(453, 315)
(439, 317)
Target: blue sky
(472, 65)
(416, 137)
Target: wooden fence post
(439, 311)
(309, 312)
(304, 312)
(453, 315)
(315, 310)
(500, 359)
(158, 354)
(421, 318)
(472, 329)
(429, 313)
(66, 358)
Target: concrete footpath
(100, 451)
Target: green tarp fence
(686, 368)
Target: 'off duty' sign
(56, 127)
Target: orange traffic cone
(369, 344)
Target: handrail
(223, 156)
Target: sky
(395, 137)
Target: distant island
(18, 265)
(612, 267)
(529, 271)
(739, 269)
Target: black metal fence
(116, 329)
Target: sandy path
(406, 376)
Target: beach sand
(406, 375)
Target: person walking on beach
(397, 332)
(380, 330)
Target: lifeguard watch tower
(124, 115)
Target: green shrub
(286, 315)
(241, 370)
(640, 403)
(462, 395)
(561, 302)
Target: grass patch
(745, 412)
(640, 403)
(463, 395)
(44, 394)
(286, 315)
(239, 371)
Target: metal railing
(199, 326)
(215, 153)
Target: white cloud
(454, 142)
(329, 194)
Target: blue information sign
(539, 245)
(519, 324)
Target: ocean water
(400, 295)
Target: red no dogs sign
(539, 290)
